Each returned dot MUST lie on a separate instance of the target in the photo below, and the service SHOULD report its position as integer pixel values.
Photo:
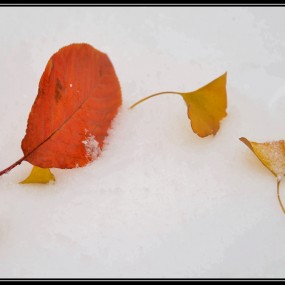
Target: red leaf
(78, 97)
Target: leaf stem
(278, 195)
(18, 162)
(153, 95)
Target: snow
(159, 202)
(91, 147)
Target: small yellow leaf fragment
(271, 154)
(207, 106)
(39, 175)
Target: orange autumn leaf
(78, 96)
(272, 156)
(206, 106)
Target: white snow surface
(91, 147)
(159, 202)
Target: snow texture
(159, 202)
(91, 147)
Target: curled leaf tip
(246, 142)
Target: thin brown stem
(278, 195)
(153, 95)
(18, 162)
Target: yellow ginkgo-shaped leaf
(206, 107)
(39, 175)
(272, 156)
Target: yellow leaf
(272, 156)
(39, 175)
(206, 107)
